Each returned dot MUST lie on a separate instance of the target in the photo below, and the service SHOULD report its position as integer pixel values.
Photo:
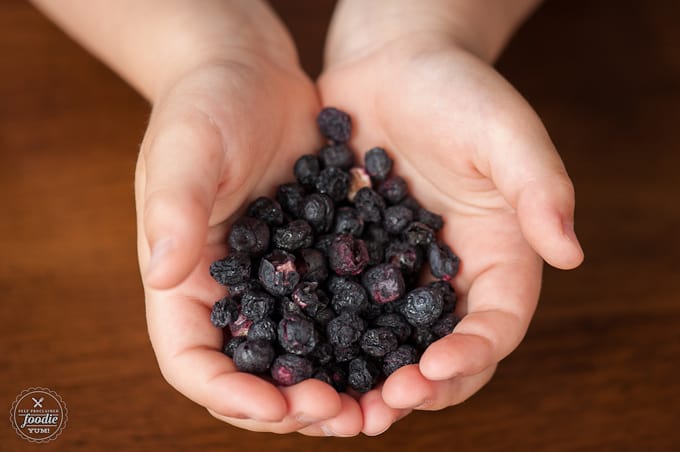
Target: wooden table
(598, 369)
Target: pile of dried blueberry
(323, 281)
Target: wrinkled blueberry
(318, 209)
(249, 235)
(348, 221)
(256, 304)
(232, 344)
(402, 356)
(233, 269)
(224, 312)
(408, 258)
(347, 255)
(396, 218)
(346, 329)
(289, 369)
(293, 236)
(278, 273)
(266, 210)
(445, 324)
(336, 156)
(363, 374)
(443, 263)
(396, 323)
(419, 234)
(254, 356)
(312, 265)
(436, 222)
(377, 163)
(263, 329)
(291, 196)
(369, 204)
(384, 283)
(297, 334)
(334, 124)
(307, 169)
(333, 182)
(394, 189)
(377, 342)
(349, 296)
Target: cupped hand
(473, 150)
(220, 136)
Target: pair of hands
(471, 149)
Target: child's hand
(473, 150)
(222, 135)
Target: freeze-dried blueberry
(363, 374)
(418, 233)
(394, 189)
(377, 234)
(233, 269)
(334, 182)
(256, 304)
(445, 324)
(348, 221)
(443, 263)
(408, 258)
(254, 356)
(278, 273)
(297, 335)
(323, 243)
(422, 337)
(384, 283)
(287, 307)
(369, 204)
(267, 210)
(318, 210)
(263, 329)
(291, 196)
(396, 323)
(240, 326)
(411, 203)
(446, 292)
(335, 282)
(334, 124)
(293, 236)
(232, 344)
(323, 316)
(397, 218)
(336, 156)
(377, 163)
(224, 312)
(312, 265)
(422, 306)
(348, 255)
(377, 342)
(358, 179)
(249, 235)
(309, 298)
(350, 296)
(334, 375)
(346, 329)
(376, 252)
(290, 369)
(372, 310)
(402, 356)
(436, 222)
(307, 169)
(346, 354)
(322, 354)
(236, 291)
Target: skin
(232, 110)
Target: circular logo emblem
(38, 415)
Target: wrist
(480, 27)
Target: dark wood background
(599, 369)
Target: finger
(528, 171)
(378, 416)
(347, 423)
(398, 390)
(181, 164)
(500, 304)
(187, 347)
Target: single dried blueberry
(394, 189)
(346, 329)
(422, 337)
(291, 196)
(384, 283)
(240, 326)
(348, 221)
(349, 296)
(290, 369)
(336, 156)
(377, 163)
(297, 335)
(422, 306)
(287, 307)
(323, 243)
(307, 169)
(263, 329)
(312, 265)
(408, 258)
(335, 282)
(363, 374)
(419, 234)
(446, 292)
(445, 324)
(318, 210)
(256, 304)
(232, 344)
(322, 354)
(233, 269)
(236, 291)
(402, 356)
(369, 204)
(254, 356)
(323, 316)
(249, 235)
(443, 263)
(411, 203)
(334, 375)
(396, 323)
(397, 218)
(278, 273)
(436, 222)
(293, 236)
(376, 252)
(334, 124)
(347, 255)
(377, 342)
(267, 210)
(309, 298)
(377, 234)
(346, 354)
(224, 312)
(334, 182)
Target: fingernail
(303, 418)
(158, 252)
(424, 405)
(381, 431)
(568, 229)
(327, 430)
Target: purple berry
(254, 356)
(377, 163)
(309, 298)
(318, 209)
(443, 263)
(347, 255)
(363, 374)
(291, 196)
(348, 221)
(336, 156)
(396, 323)
(233, 269)
(402, 356)
(349, 296)
(436, 222)
(394, 190)
(396, 218)
(307, 169)
(224, 312)
(384, 283)
(293, 236)
(257, 304)
(333, 182)
(445, 324)
(232, 344)
(377, 342)
(297, 335)
(266, 210)
(290, 369)
(334, 124)
(422, 306)
(240, 326)
(312, 265)
(278, 273)
(263, 329)
(369, 204)
(249, 235)
(346, 329)
(408, 258)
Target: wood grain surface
(598, 370)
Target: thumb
(177, 179)
(528, 171)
